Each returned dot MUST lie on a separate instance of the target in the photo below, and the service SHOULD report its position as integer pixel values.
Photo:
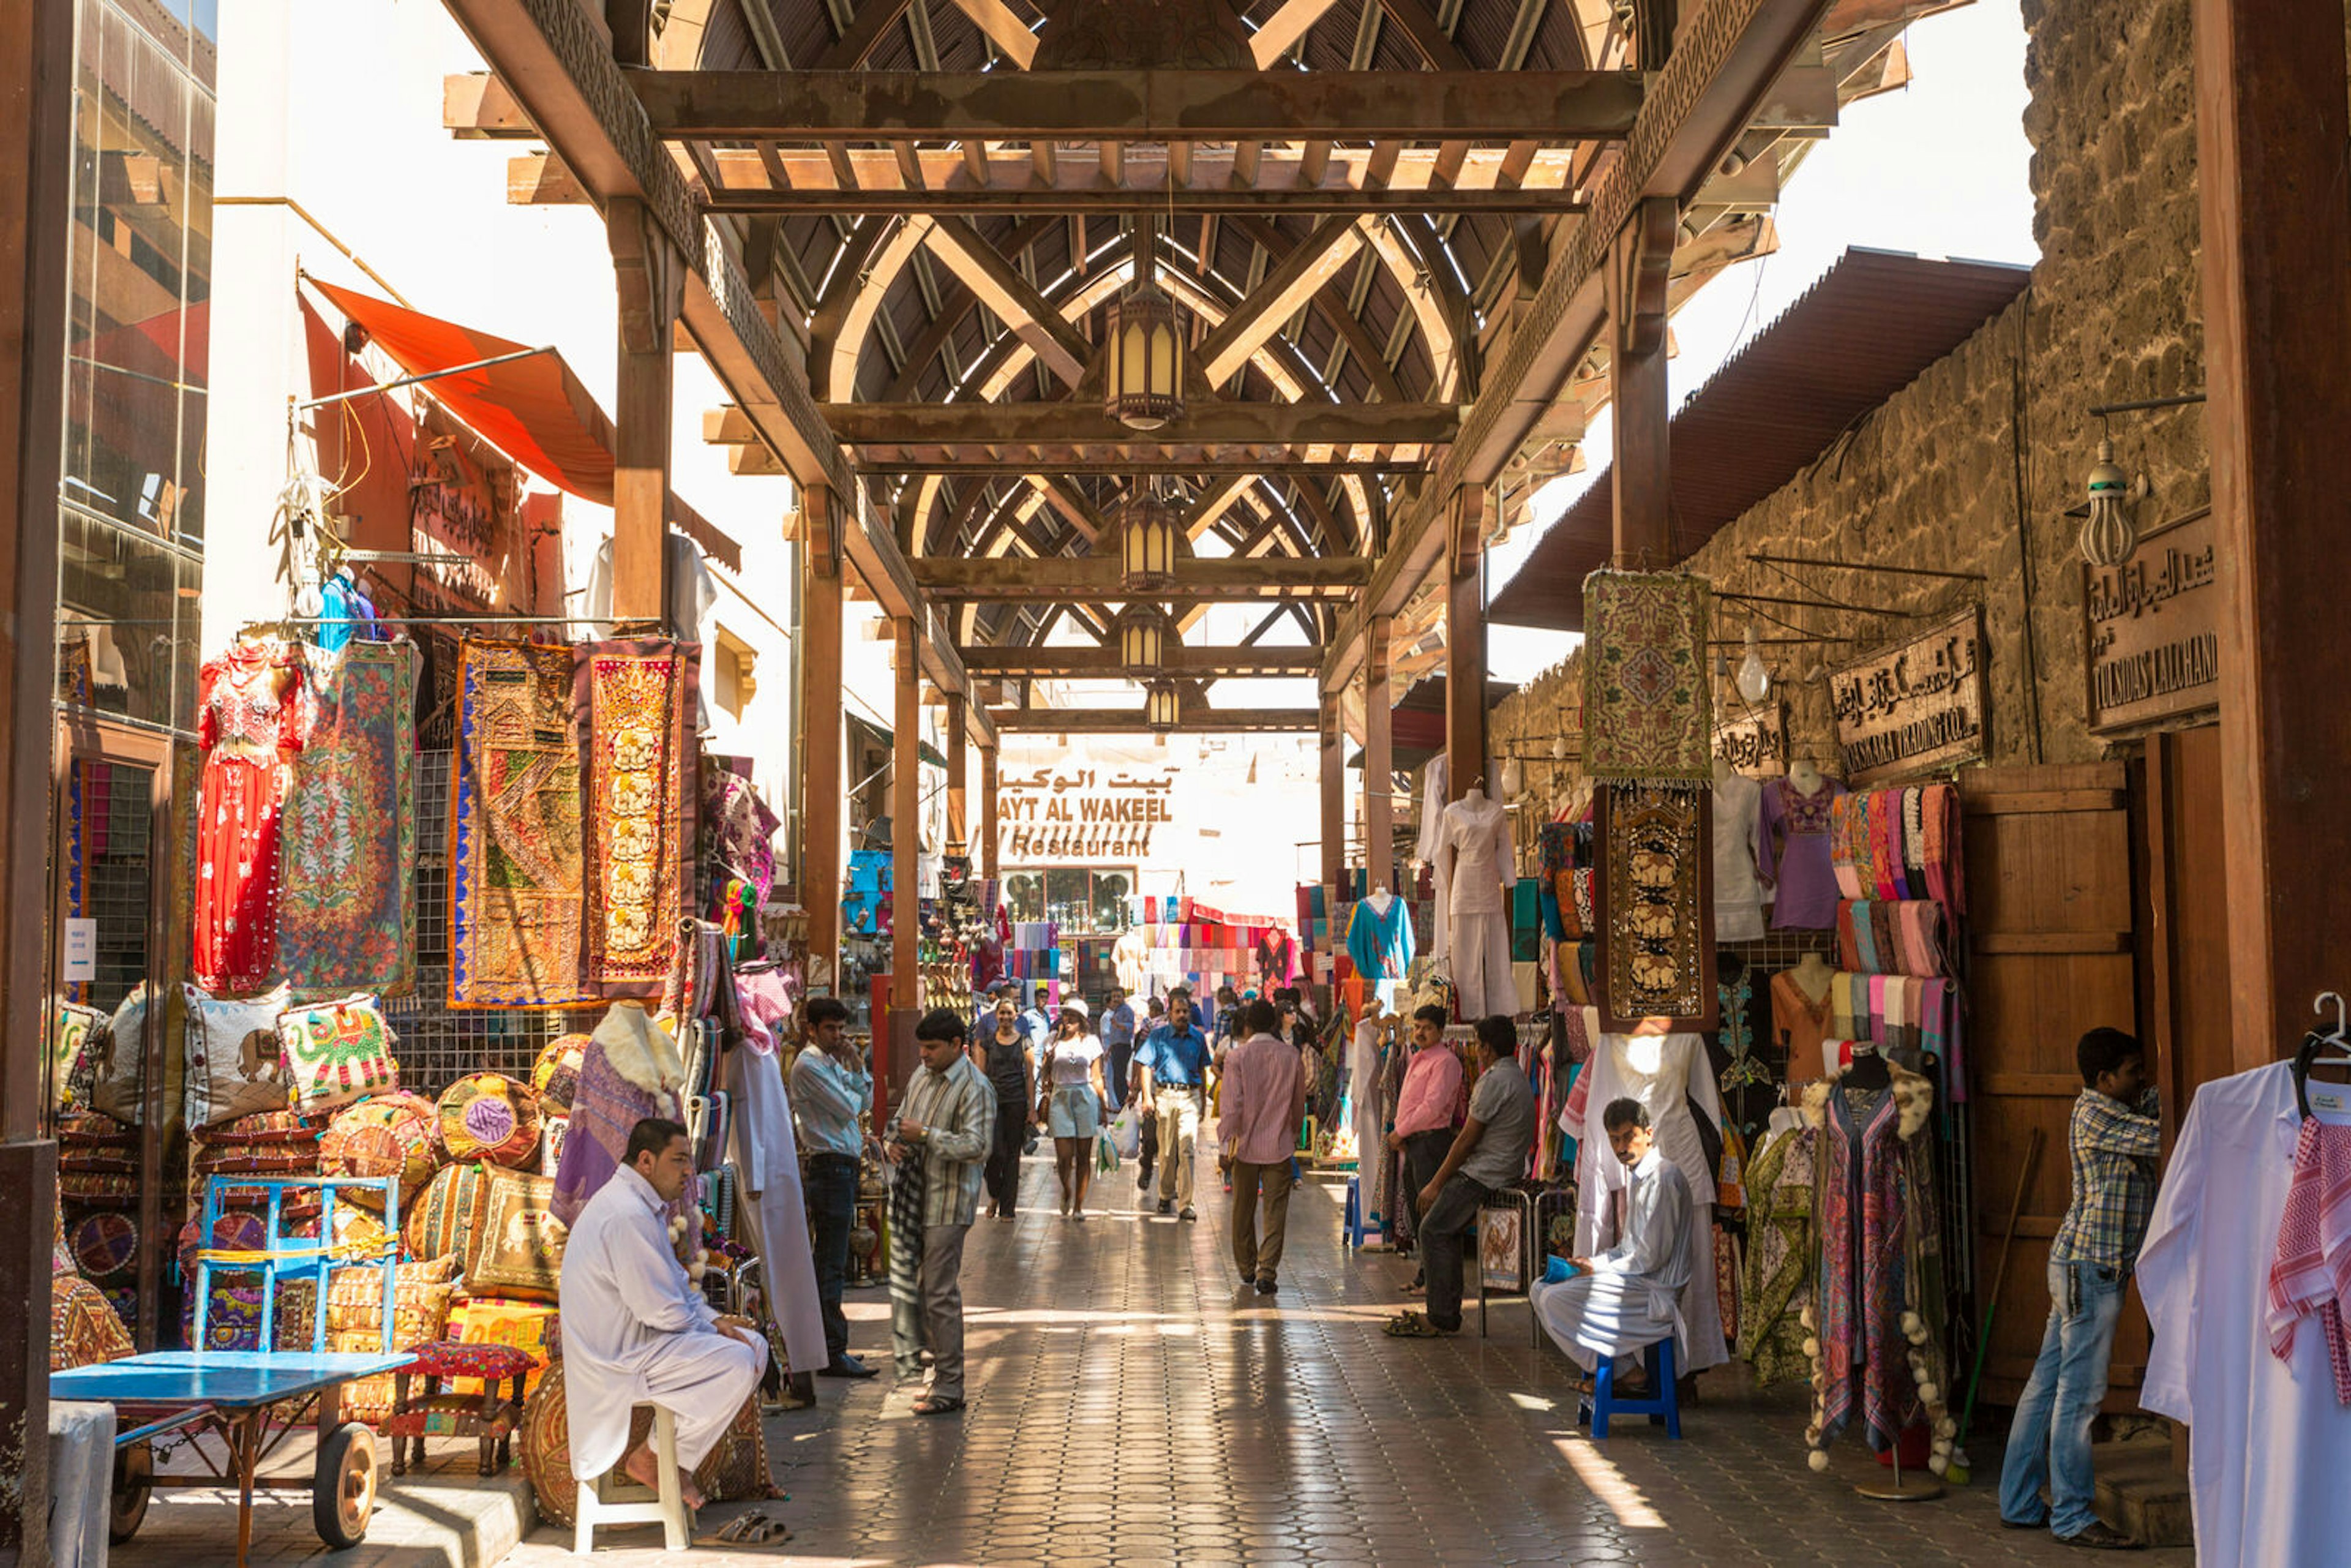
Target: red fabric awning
(534, 409)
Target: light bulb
(1754, 680)
(1512, 777)
(1559, 748)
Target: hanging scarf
(908, 1185)
(2310, 1271)
(1862, 1284)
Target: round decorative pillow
(735, 1471)
(557, 1076)
(383, 1136)
(105, 1245)
(489, 1116)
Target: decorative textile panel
(104, 1247)
(1656, 957)
(441, 1224)
(84, 1327)
(337, 1051)
(115, 1054)
(1648, 709)
(517, 1246)
(347, 842)
(515, 901)
(77, 1034)
(234, 1061)
(635, 698)
(488, 1116)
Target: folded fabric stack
(1880, 937)
(1910, 1019)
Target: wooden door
(2185, 911)
(2050, 915)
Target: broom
(1959, 1473)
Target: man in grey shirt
(1489, 1152)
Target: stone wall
(1933, 477)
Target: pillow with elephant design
(517, 1243)
(234, 1066)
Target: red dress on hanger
(249, 724)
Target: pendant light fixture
(1143, 342)
(1160, 707)
(1755, 681)
(1147, 541)
(2109, 536)
(1142, 637)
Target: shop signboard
(1915, 706)
(1081, 814)
(2154, 629)
(1755, 742)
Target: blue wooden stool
(1357, 1229)
(1663, 1408)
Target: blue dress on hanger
(1380, 946)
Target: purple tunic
(1795, 853)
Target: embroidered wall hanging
(1656, 958)
(347, 838)
(635, 698)
(1649, 710)
(516, 901)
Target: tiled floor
(1127, 1407)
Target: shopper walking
(1264, 1095)
(1117, 1031)
(1003, 1059)
(1487, 1153)
(1425, 1108)
(1073, 1077)
(935, 1150)
(1172, 1073)
(831, 1088)
(1156, 1014)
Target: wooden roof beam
(1141, 106)
(1205, 663)
(999, 287)
(1203, 423)
(1287, 289)
(1285, 29)
(1200, 719)
(1003, 28)
(1076, 578)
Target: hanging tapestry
(347, 846)
(1648, 711)
(514, 834)
(1656, 958)
(250, 724)
(634, 698)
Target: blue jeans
(833, 1214)
(2050, 1438)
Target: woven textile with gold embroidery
(635, 698)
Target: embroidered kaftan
(250, 726)
(1794, 851)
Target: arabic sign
(1081, 814)
(2154, 628)
(1917, 704)
(1756, 743)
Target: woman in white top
(1072, 1090)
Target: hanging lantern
(1559, 748)
(1161, 710)
(1142, 638)
(1513, 779)
(2109, 537)
(1754, 680)
(1147, 543)
(1143, 339)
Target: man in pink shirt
(1426, 1108)
(1264, 1097)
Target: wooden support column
(2271, 125)
(1379, 753)
(650, 277)
(1334, 790)
(1636, 326)
(36, 81)
(905, 842)
(822, 797)
(988, 811)
(1465, 644)
(958, 764)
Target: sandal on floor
(930, 1406)
(1411, 1325)
(753, 1529)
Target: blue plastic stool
(1663, 1408)
(1359, 1231)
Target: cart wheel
(134, 1468)
(342, 1493)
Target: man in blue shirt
(1117, 1031)
(1171, 1077)
(829, 1087)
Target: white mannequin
(1476, 864)
(1723, 772)
(1806, 777)
(1812, 976)
(1381, 898)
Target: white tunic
(1632, 1297)
(2266, 1439)
(765, 1154)
(1473, 846)
(1738, 892)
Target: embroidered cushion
(337, 1051)
(534, 1328)
(382, 1136)
(117, 1086)
(421, 1293)
(517, 1248)
(234, 1062)
(75, 1034)
(442, 1223)
(82, 1130)
(446, 1358)
(557, 1076)
(105, 1245)
(553, 1130)
(489, 1116)
(84, 1327)
(94, 1189)
(284, 1125)
(736, 1469)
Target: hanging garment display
(1900, 844)
(1379, 939)
(1739, 895)
(1474, 857)
(250, 723)
(743, 831)
(1878, 1298)
(2266, 1430)
(1800, 1021)
(762, 1147)
(1648, 707)
(632, 1069)
(1364, 1106)
(634, 698)
(1749, 1087)
(1794, 853)
(515, 902)
(348, 842)
(1776, 1277)
(1433, 783)
(1670, 1076)
(1656, 958)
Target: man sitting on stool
(1488, 1154)
(1629, 1297)
(635, 1329)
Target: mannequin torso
(1812, 976)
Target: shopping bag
(1125, 1132)
(1105, 1154)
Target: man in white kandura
(635, 1329)
(1629, 1297)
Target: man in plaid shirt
(2115, 1138)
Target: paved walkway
(1128, 1407)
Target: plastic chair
(1663, 1408)
(613, 1498)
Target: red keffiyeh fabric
(2310, 1274)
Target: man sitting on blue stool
(1628, 1298)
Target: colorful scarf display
(1657, 935)
(1896, 939)
(1777, 1269)
(1900, 845)
(347, 848)
(635, 699)
(514, 836)
(1648, 707)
